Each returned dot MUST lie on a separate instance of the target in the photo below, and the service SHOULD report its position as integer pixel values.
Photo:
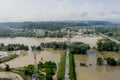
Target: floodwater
(26, 57)
(36, 41)
(95, 72)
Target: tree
(111, 61)
(7, 68)
(100, 61)
(29, 70)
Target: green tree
(111, 61)
(100, 61)
(29, 70)
(7, 68)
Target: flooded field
(95, 72)
(27, 58)
(36, 41)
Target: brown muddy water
(95, 72)
(36, 41)
(26, 57)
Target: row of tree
(79, 48)
(13, 47)
(110, 61)
(55, 45)
(75, 47)
(107, 45)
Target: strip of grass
(8, 58)
(61, 72)
(72, 74)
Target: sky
(52, 10)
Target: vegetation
(75, 47)
(72, 73)
(61, 71)
(29, 70)
(111, 61)
(107, 45)
(55, 45)
(55, 34)
(100, 61)
(8, 58)
(83, 64)
(24, 29)
(78, 48)
(7, 68)
(111, 31)
(46, 69)
(37, 48)
(13, 47)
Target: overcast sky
(50, 10)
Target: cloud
(39, 10)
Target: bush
(7, 68)
(29, 70)
(100, 61)
(111, 61)
(83, 64)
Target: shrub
(7, 68)
(111, 61)
(100, 61)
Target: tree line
(107, 45)
(109, 60)
(13, 47)
(75, 47)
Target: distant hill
(52, 25)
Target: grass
(61, 71)
(8, 58)
(72, 73)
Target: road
(67, 66)
(114, 40)
(67, 58)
